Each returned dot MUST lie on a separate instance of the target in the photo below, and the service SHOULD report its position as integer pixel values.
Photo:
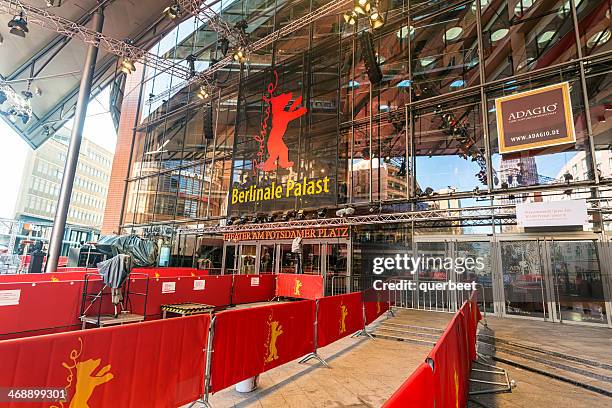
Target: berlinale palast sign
(535, 119)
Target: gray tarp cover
(142, 251)
(115, 270)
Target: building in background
(40, 187)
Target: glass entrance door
(578, 283)
(522, 266)
(555, 279)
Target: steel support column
(59, 223)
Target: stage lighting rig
(203, 93)
(240, 55)
(350, 17)
(362, 6)
(376, 18)
(127, 66)
(172, 12)
(19, 25)
(224, 45)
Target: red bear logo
(277, 149)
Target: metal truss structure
(70, 29)
(453, 217)
(332, 7)
(198, 9)
(504, 214)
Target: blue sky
(98, 128)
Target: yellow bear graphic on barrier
(87, 381)
(275, 330)
(343, 314)
(296, 288)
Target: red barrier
(299, 286)
(417, 391)
(447, 384)
(39, 305)
(211, 290)
(248, 342)
(171, 271)
(338, 316)
(253, 288)
(67, 274)
(375, 307)
(152, 364)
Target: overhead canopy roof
(55, 61)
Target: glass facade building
(416, 150)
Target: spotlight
(345, 212)
(242, 220)
(240, 55)
(191, 59)
(300, 215)
(270, 218)
(2, 97)
(568, 177)
(231, 220)
(19, 25)
(362, 6)
(203, 93)
(504, 185)
(376, 19)
(429, 191)
(172, 12)
(127, 66)
(288, 215)
(322, 213)
(351, 17)
(24, 118)
(224, 46)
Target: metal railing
(424, 295)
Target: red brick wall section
(119, 172)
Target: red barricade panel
(248, 342)
(151, 364)
(338, 316)
(299, 286)
(210, 290)
(451, 366)
(170, 271)
(417, 391)
(253, 288)
(39, 305)
(374, 309)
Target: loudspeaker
(208, 123)
(369, 57)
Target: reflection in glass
(523, 278)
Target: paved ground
(592, 342)
(538, 391)
(364, 373)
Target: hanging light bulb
(362, 6)
(127, 66)
(351, 17)
(203, 93)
